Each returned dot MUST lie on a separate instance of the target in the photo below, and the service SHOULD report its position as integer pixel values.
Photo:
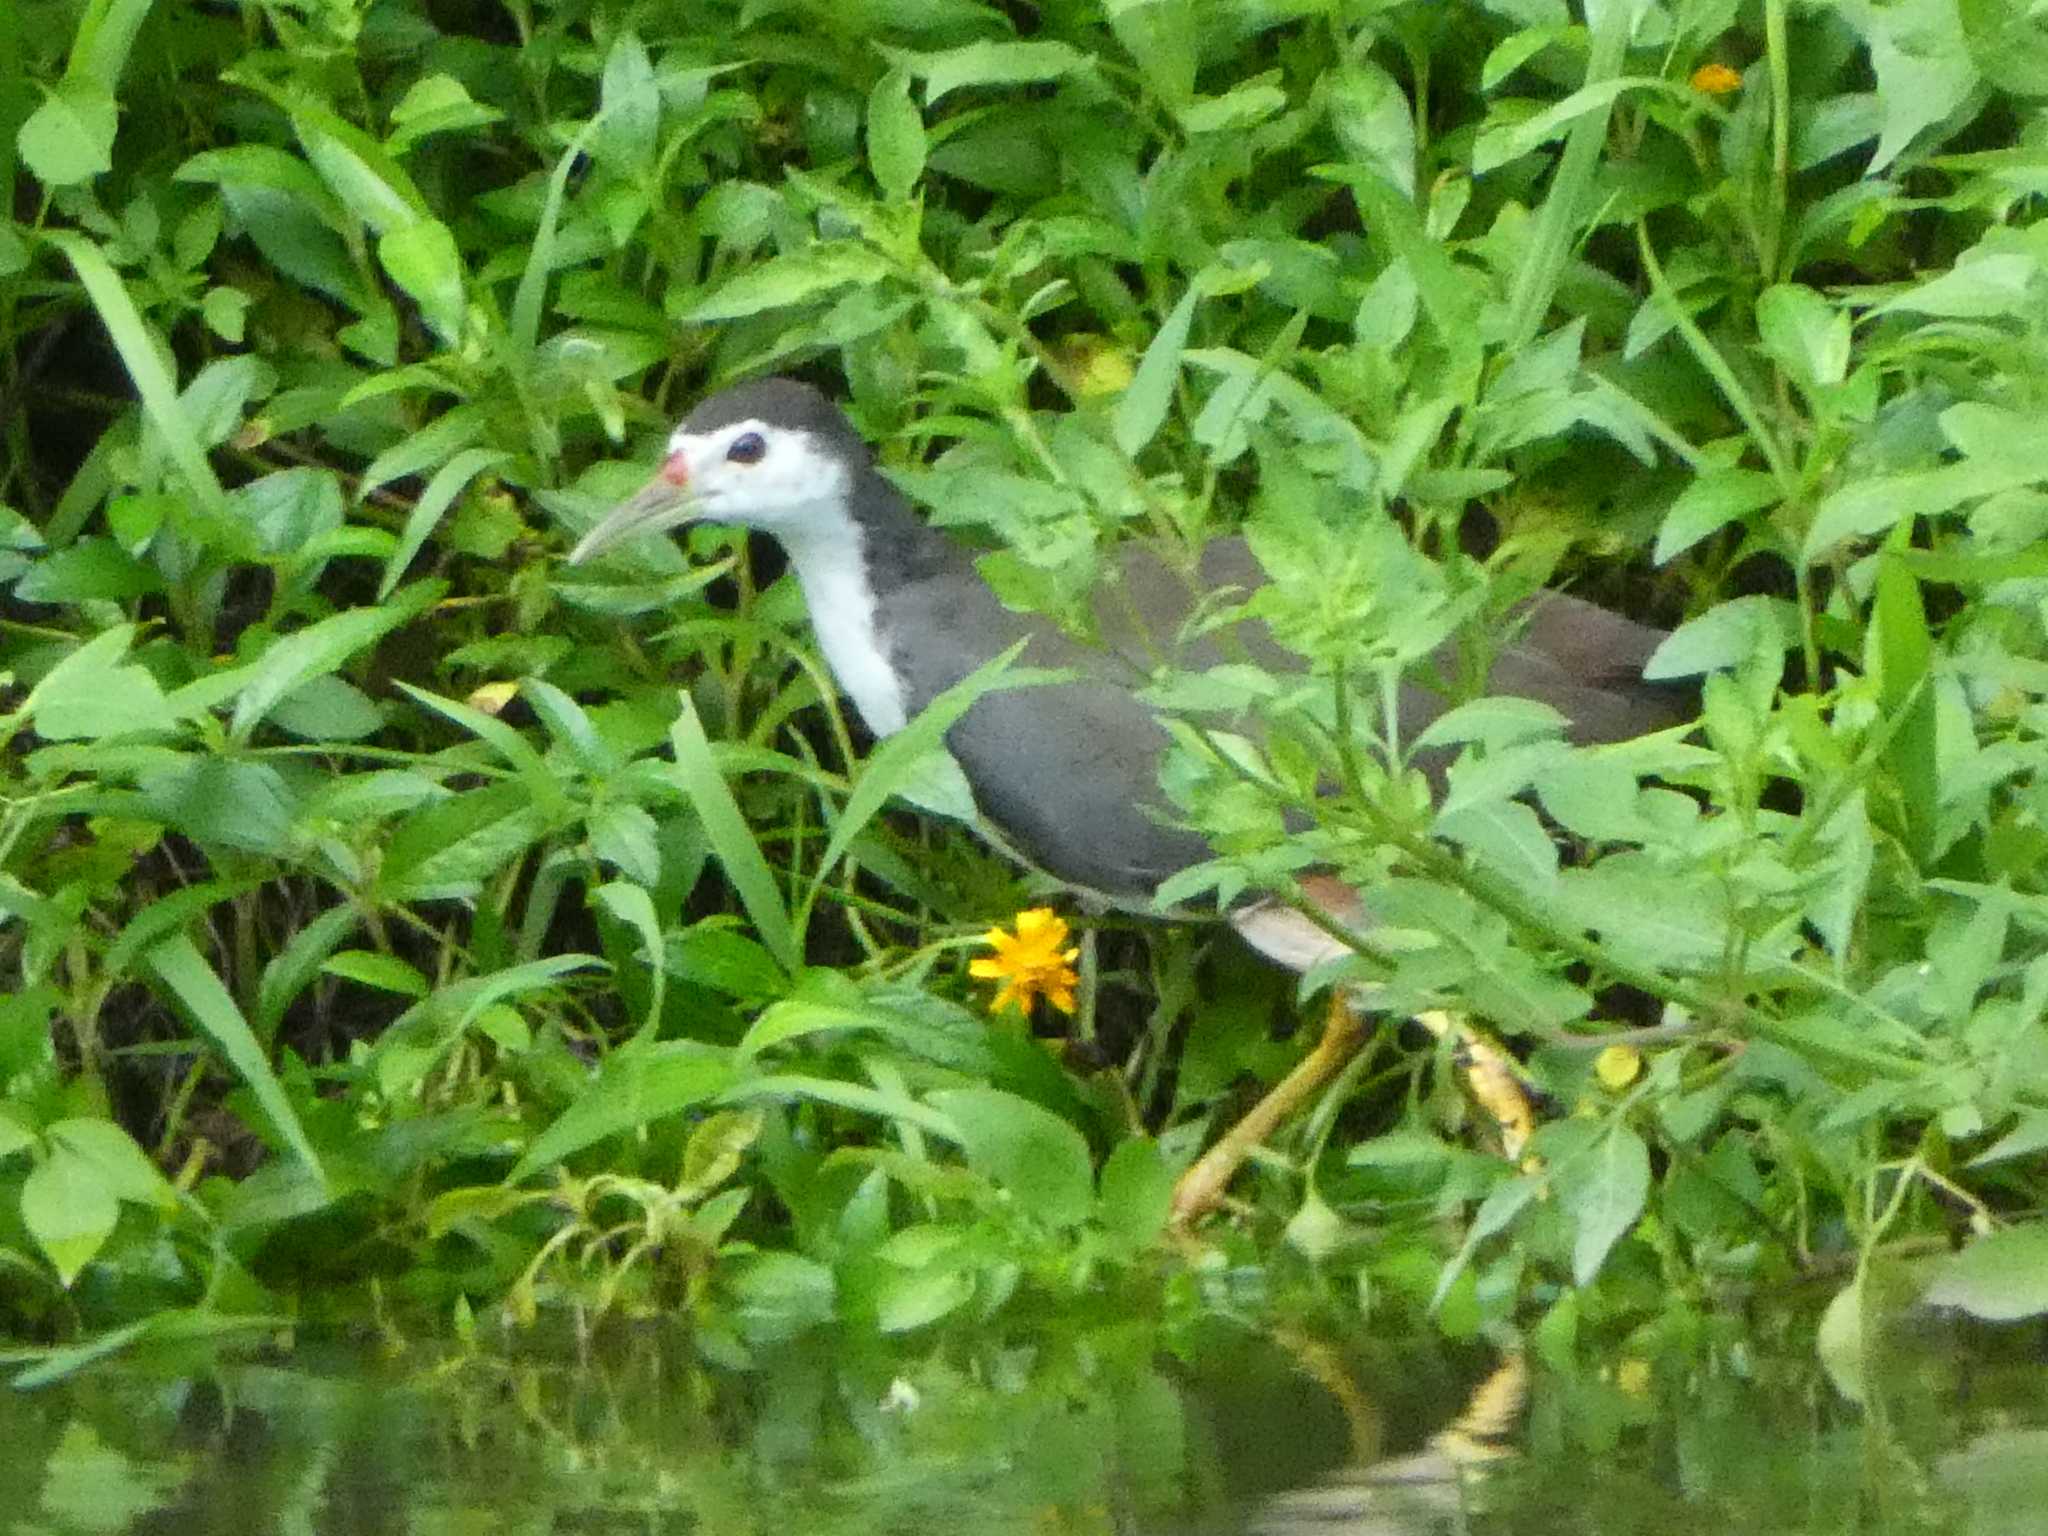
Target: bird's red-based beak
(663, 504)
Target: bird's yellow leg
(1202, 1186)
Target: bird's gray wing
(1069, 772)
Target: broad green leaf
(851, 1096)
(157, 920)
(896, 138)
(69, 1211)
(387, 973)
(1374, 121)
(793, 279)
(1724, 636)
(630, 904)
(987, 63)
(105, 38)
(637, 1085)
(70, 137)
(773, 1297)
(1497, 146)
(629, 118)
(543, 783)
(1804, 334)
(362, 173)
(124, 1169)
(422, 259)
(1602, 1191)
(198, 990)
(1714, 500)
(1136, 1195)
(294, 966)
(92, 694)
(1981, 285)
(1494, 722)
(1162, 38)
(1040, 1159)
(311, 652)
(89, 569)
(2001, 1277)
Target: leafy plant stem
(1717, 368)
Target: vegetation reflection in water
(1097, 1427)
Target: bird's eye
(747, 448)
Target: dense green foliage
(391, 919)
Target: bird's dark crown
(779, 403)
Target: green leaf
(387, 973)
(2000, 1278)
(636, 1086)
(793, 279)
(1495, 147)
(1724, 636)
(91, 695)
(1714, 500)
(903, 754)
(448, 483)
(69, 1211)
(1904, 652)
(1137, 1192)
(732, 842)
(192, 982)
(144, 360)
(87, 570)
(1141, 409)
(70, 137)
(1029, 1151)
(1163, 39)
(423, 260)
(896, 139)
(629, 118)
(987, 63)
(1374, 121)
(124, 1169)
(362, 173)
(1602, 1191)
(631, 905)
(1804, 334)
(543, 784)
(312, 652)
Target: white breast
(834, 578)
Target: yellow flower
(1715, 80)
(1618, 1066)
(1032, 961)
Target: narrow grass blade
(897, 758)
(145, 365)
(731, 841)
(179, 965)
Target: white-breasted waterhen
(1067, 772)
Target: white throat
(830, 567)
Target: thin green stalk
(1773, 233)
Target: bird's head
(773, 455)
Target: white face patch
(781, 482)
(775, 479)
